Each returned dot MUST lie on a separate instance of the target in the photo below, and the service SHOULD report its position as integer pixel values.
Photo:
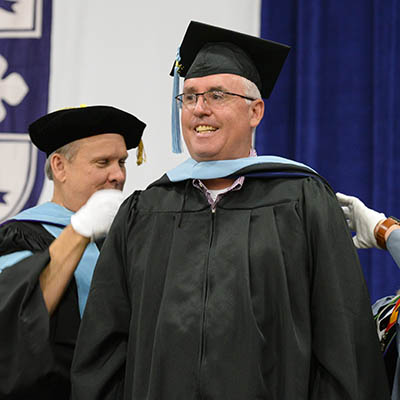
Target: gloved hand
(360, 219)
(94, 218)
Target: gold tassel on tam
(140, 154)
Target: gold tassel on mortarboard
(140, 154)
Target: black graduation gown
(35, 350)
(262, 299)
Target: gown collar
(191, 169)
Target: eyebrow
(100, 156)
(192, 89)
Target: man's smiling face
(223, 132)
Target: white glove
(360, 219)
(94, 218)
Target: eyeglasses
(213, 98)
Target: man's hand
(360, 219)
(94, 218)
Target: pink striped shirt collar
(236, 185)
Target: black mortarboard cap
(61, 127)
(208, 50)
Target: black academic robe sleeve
(98, 367)
(347, 363)
(35, 351)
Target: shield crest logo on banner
(17, 173)
(20, 18)
(22, 100)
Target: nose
(117, 175)
(201, 107)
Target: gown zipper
(202, 346)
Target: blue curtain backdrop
(336, 105)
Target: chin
(204, 153)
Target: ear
(256, 112)
(58, 167)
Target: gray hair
(250, 89)
(68, 151)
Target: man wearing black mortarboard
(48, 252)
(233, 276)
